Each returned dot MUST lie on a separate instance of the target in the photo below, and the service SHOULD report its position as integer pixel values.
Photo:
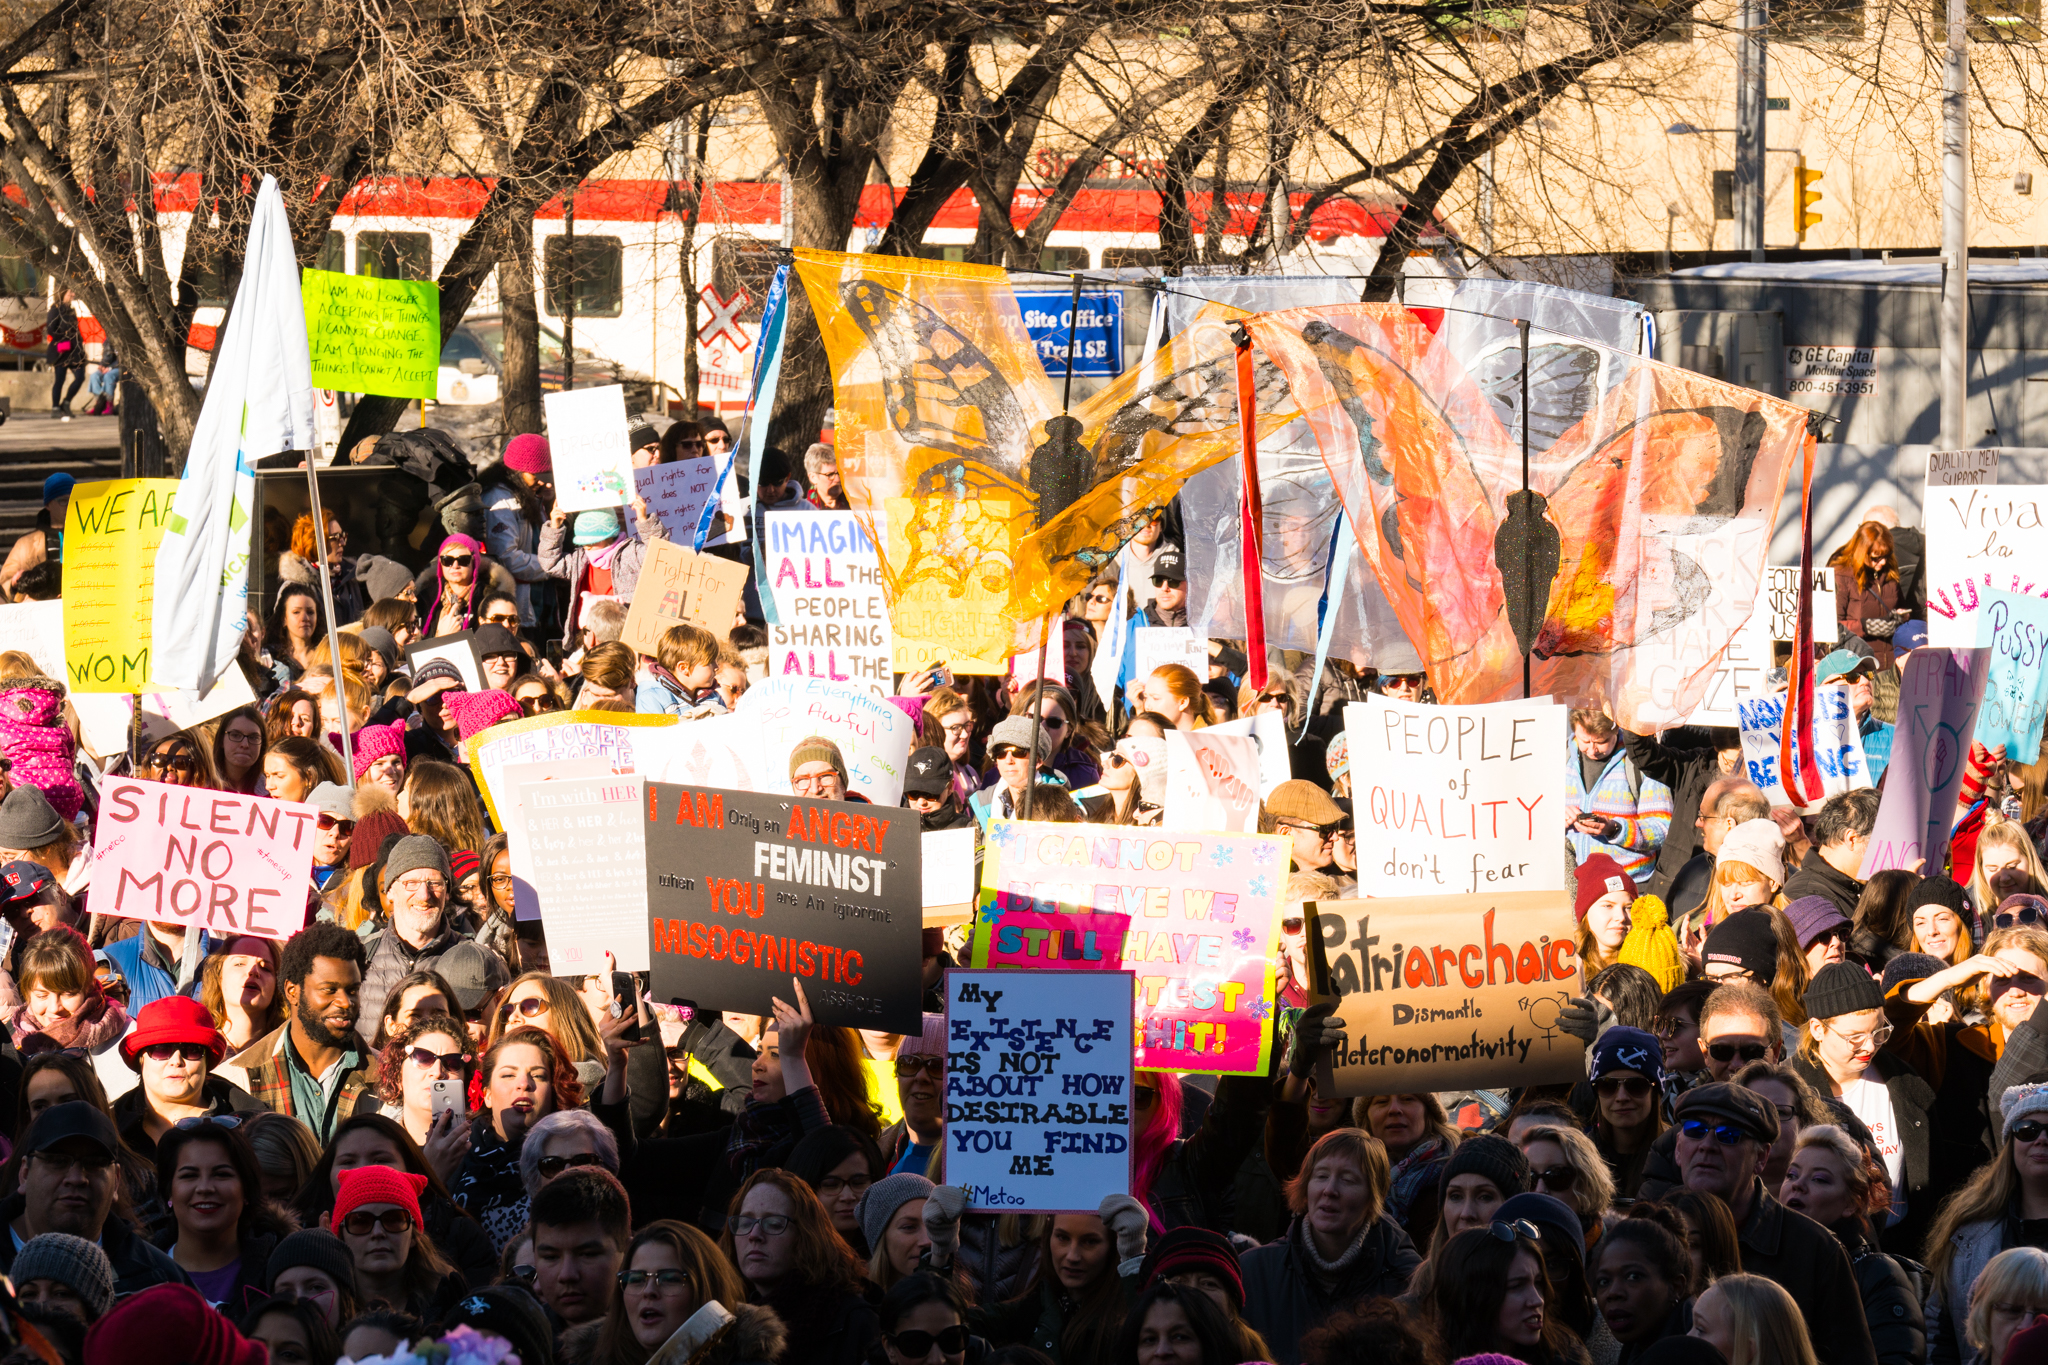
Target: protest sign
(587, 857)
(750, 749)
(1939, 697)
(609, 735)
(1837, 745)
(1055, 938)
(1096, 336)
(1668, 660)
(1458, 799)
(1980, 536)
(1158, 646)
(745, 891)
(929, 621)
(1204, 913)
(1024, 669)
(1449, 992)
(107, 719)
(1038, 1089)
(458, 649)
(2015, 630)
(218, 861)
(1268, 731)
(1212, 781)
(834, 616)
(676, 494)
(370, 335)
(512, 779)
(949, 875)
(1961, 468)
(1780, 598)
(37, 630)
(111, 534)
(679, 586)
(587, 443)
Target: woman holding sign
(597, 555)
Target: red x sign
(725, 318)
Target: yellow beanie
(1650, 943)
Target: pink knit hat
(476, 712)
(529, 455)
(377, 741)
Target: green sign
(373, 336)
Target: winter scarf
(92, 1028)
(600, 556)
(1414, 1173)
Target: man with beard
(315, 1066)
(70, 1183)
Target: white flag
(259, 402)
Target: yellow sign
(111, 534)
(937, 616)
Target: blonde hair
(16, 664)
(684, 646)
(353, 652)
(1765, 1325)
(1182, 684)
(1728, 872)
(2002, 833)
(2018, 1275)
(1593, 1191)
(1872, 1189)
(441, 804)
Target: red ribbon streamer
(1798, 727)
(1251, 515)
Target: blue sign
(1101, 352)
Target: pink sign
(1033, 938)
(227, 863)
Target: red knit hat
(378, 741)
(377, 1185)
(371, 832)
(173, 1019)
(475, 712)
(463, 863)
(529, 454)
(169, 1319)
(1599, 875)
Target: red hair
(1156, 1139)
(1870, 540)
(562, 1075)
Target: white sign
(511, 780)
(586, 843)
(1781, 599)
(1667, 661)
(553, 738)
(1038, 1088)
(587, 440)
(1212, 782)
(37, 630)
(827, 581)
(1961, 468)
(749, 749)
(1829, 371)
(1268, 730)
(1979, 537)
(1158, 646)
(456, 649)
(949, 868)
(676, 494)
(1837, 747)
(1458, 800)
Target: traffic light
(1805, 196)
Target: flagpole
(348, 755)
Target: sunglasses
(1609, 1086)
(1292, 924)
(540, 701)
(2027, 1130)
(361, 1222)
(2006, 919)
(914, 1345)
(217, 1120)
(1728, 1052)
(910, 1066)
(457, 561)
(181, 763)
(1102, 597)
(1554, 1178)
(1116, 760)
(508, 621)
(1403, 679)
(425, 1057)
(1508, 1232)
(1144, 1096)
(552, 1166)
(163, 1052)
(1007, 751)
(337, 538)
(528, 1009)
(1328, 831)
(1053, 722)
(525, 1273)
(1166, 582)
(326, 821)
(1724, 1133)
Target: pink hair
(1161, 1131)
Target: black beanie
(1493, 1157)
(1841, 988)
(1746, 939)
(510, 1312)
(316, 1249)
(1942, 891)
(1911, 967)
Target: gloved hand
(1126, 1219)
(942, 1210)
(1313, 1032)
(1586, 1018)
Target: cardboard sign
(678, 586)
(218, 861)
(369, 335)
(512, 780)
(586, 845)
(1726, 618)
(1977, 538)
(458, 649)
(1939, 696)
(1961, 468)
(1268, 731)
(1781, 599)
(1212, 781)
(827, 581)
(1038, 1089)
(1158, 646)
(609, 735)
(932, 618)
(587, 435)
(1449, 992)
(1204, 926)
(949, 875)
(745, 891)
(111, 534)
(1837, 746)
(676, 494)
(2015, 630)
(1458, 799)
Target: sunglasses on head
(457, 561)
(326, 821)
(552, 1166)
(1508, 1232)
(1727, 1134)
(1636, 1086)
(915, 1345)
(2027, 1130)
(360, 1222)
(1728, 1052)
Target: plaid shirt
(267, 1062)
(1645, 816)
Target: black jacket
(1685, 760)
(137, 1264)
(1818, 877)
(1809, 1264)
(825, 1328)
(1913, 1107)
(1197, 1183)
(225, 1096)
(1891, 1304)
(1283, 1301)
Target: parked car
(473, 359)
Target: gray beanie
(410, 854)
(381, 640)
(28, 820)
(1017, 730)
(71, 1261)
(883, 1198)
(316, 1249)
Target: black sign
(746, 890)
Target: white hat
(2021, 1100)
(1761, 844)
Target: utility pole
(1751, 67)
(1955, 231)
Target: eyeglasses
(552, 1166)
(326, 821)
(424, 1057)
(500, 879)
(1727, 1134)
(834, 1184)
(361, 1222)
(432, 886)
(458, 561)
(530, 1008)
(217, 1120)
(242, 737)
(1876, 1038)
(2027, 1130)
(910, 1066)
(181, 763)
(1609, 1086)
(336, 539)
(965, 727)
(1728, 1052)
(915, 1345)
(1521, 1227)
(163, 1052)
(667, 1279)
(1554, 1178)
(771, 1225)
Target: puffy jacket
(1284, 1299)
(34, 736)
(1891, 1306)
(567, 562)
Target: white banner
(749, 749)
(827, 581)
(1212, 782)
(1837, 748)
(1979, 537)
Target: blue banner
(1047, 317)
(2015, 630)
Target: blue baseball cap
(57, 486)
(1911, 635)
